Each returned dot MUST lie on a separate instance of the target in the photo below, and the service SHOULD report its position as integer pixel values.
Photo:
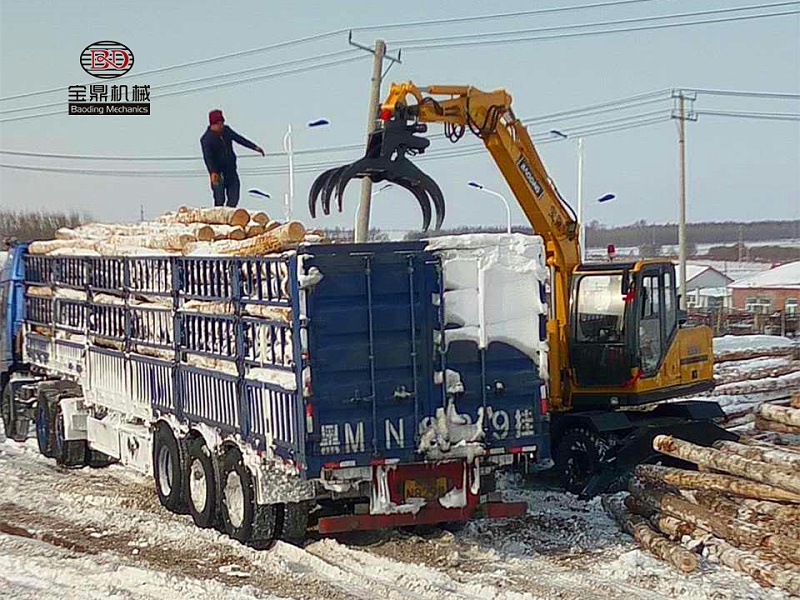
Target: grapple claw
(385, 160)
(316, 188)
(422, 198)
(328, 187)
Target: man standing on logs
(217, 145)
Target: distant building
(769, 291)
(706, 287)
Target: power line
(593, 33)
(589, 129)
(296, 61)
(342, 61)
(475, 36)
(751, 115)
(328, 34)
(746, 94)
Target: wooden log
(774, 456)
(259, 217)
(74, 252)
(637, 507)
(717, 503)
(649, 539)
(782, 414)
(763, 424)
(39, 291)
(775, 444)
(695, 480)
(47, 246)
(670, 526)
(780, 512)
(739, 533)
(729, 463)
(281, 238)
(253, 229)
(228, 232)
(765, 573)
(218, 215)
(795, 402)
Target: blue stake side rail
(136, 352)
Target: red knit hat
(214, 116)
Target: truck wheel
(201, 485)
(578, 458)
(167, 471)
(245, 521)
(295, 522)
(68, 453)
(45, 429)
(15, 426)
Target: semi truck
(337, 386)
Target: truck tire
(16, 427)
(295, 522)
(201, 484)
(45, 429)
(578, 458)
(68, 453)
(168, 469)
(256, 525)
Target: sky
(737, 168)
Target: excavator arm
(489, 116)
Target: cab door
(658, 321)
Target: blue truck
(342, 387)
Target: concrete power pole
(682, 221)
(362, 223)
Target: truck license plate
(425, 488)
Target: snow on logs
(196, 231)
(741, 510)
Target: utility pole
(682, 220)
(581, 228)
(362, 223)
(141, 213)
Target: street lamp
(482, 188)
(257, 193)
(579, 194)
(289, 149)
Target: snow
(743, 343)
(784, 276)
(492, 290)
(101, 533)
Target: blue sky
(738, 169)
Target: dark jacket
(218, 149)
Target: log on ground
(782, 414)
(773, 456)
(729, 484)
(652, 541)
(729, 463)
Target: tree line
(26, 226)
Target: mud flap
(637, 448)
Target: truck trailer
(340, 386)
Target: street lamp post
(288, 148)
(479, 186)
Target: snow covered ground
(101, 533)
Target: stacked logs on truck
(188, 231)
(739, 505)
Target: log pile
(188, 231)
(740, 509)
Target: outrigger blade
(385, 160)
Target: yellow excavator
(619, 345)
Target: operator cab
(624, 317)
